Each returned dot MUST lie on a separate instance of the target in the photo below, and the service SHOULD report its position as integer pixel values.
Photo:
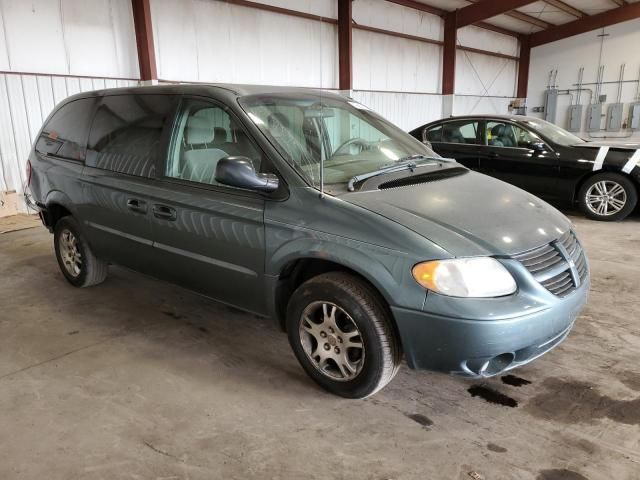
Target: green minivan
(305, 206)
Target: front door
(207, 236)
(518, 156)
(457, 139)
(125, 143)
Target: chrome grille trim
(559, 266)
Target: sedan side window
(462, 131)
(205, 134)
(505, 134)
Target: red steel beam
(586, 24)
(281, 10)
(144, 39)
(345, 45)
(449, 53)
(441, 13)
(484, 9)
(523, 67)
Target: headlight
(465, 277)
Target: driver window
(504, 134)
(205, 134)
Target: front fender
(389, 271)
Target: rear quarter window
(65, 134)
(126, 132)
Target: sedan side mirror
(537, 146)
(239, 172)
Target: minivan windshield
(347, 137)
(553, 132)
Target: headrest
(199, 130)
(219, 135)
(498, 130)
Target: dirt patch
(514, 381)
(492, 396)
(496, 448)
(421, 419)
(630, 379)
(560, 474)
(580, 402)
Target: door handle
(493, 155)
(135, 205)
(164, 212)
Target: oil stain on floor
(514, 381)
(570, 401)
(492, 396)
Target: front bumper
(491, 344)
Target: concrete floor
(139, 379)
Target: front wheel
(342, 335)
(607, 197)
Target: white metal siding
(68, 37)
(407, 110)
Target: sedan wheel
(606, 198)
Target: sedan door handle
(493, 155)
(135, 205)
(164, 212)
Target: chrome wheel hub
(332, 341)
(606, 198)
(70, 253)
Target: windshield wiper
(407, 163)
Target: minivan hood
(470, 214)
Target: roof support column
(449, 53)
(144, 41)
(345, 45)
(523, 66)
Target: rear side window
(126, 131)
(65, 134)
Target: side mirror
(239, 172)
(537, 146)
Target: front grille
(559, 266)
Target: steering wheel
(352, 141)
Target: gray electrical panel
(614, 117)
(594, 117)
(550, 104)
(634, 116)
(575, 118)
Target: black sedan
(542, 158)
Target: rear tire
(77, 262)
(342, 335)
(607, 197)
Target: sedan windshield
(553, 132)
(348, 138)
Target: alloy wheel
(70, 253)
(332, 341)
(606, 198)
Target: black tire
(359, 303)
(630, 196)
(91, 270)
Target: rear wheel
(77, 262)
(342, 335)
(608, 197)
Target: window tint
(205, 134)
(463, 131)
(125, 134)
(504, 134)
(65, 135)
(434, 134)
